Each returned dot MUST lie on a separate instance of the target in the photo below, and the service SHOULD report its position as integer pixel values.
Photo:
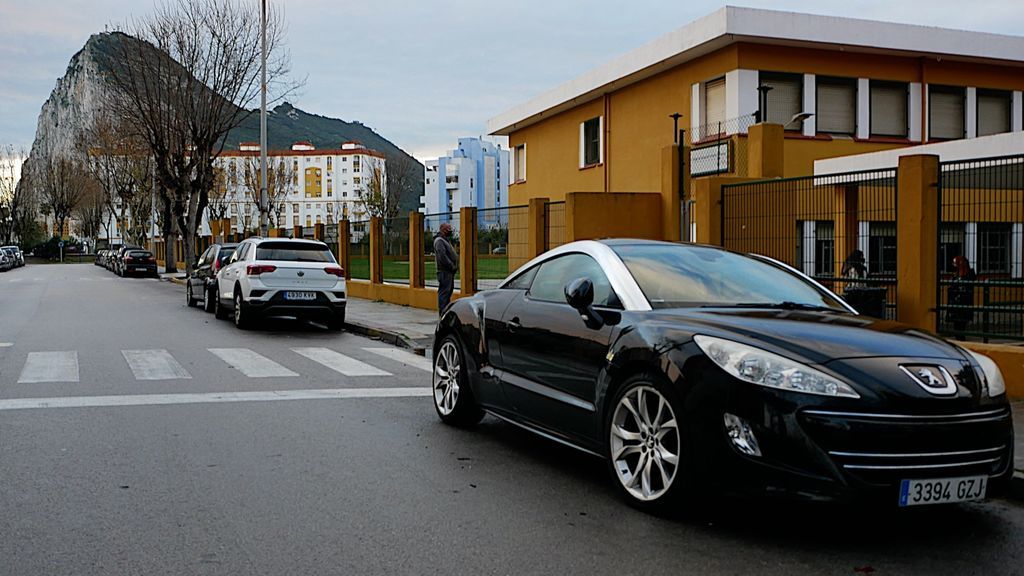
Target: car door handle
(513, 324)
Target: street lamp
(762, 103)
(264, 197)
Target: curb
(1016, 490)
(386, 336)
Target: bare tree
(121, 163)
(373, 194)
(12, 197)
(184, 81)
(91, 209)
(279, 184)
(404, 178)
(64, 184)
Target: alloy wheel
(188, 294)
(645, 443)
(238, 309)
(446, 378)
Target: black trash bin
(867, 301)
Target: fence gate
(981, 239)
(821, 225)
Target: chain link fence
(501, 241)
(359, 249)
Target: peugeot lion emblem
(301, 273)
(934, 379)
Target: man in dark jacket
(447, 261)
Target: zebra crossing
(161, 364)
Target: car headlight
(763, 368)
(993, 376)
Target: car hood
(817, 337)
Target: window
(553, 275)
(295, 220)
(519, 164)
(837, 105)
(993, 112)
(945, 112)
(590, 143)
(523, 281)
(951, 245)
(356, 180)
(994, 248)
(889, 109)
(318, 220)
(295, 208)
(824, 248)
(785, 99)
(309, 220)
(330, 164)
(714, 108)
(293, 252)
(882, 249)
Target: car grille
(882, 449)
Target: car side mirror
(579, 293)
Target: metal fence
(359, 249)
(718, 148)
(395, 235)
(331, 238)
(980, 245)
(501, 243)
(431, 226)
(554, 225)
(839, 229)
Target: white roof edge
(770, 25)
(1007, 144)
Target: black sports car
(692, 368)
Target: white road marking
(251, 364)
(403, 356)
(211, 398)
(16, 279)
(154, 365)
(6, 344)
(339, 362)
(50, 367)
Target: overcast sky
(425, 72)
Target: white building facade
(474, 174)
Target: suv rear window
(293, 252)
(140, 254)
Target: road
(156, 456)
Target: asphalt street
(139, 436)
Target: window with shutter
(993, 112)
(888, 109)
(590, 142)
(714, 107)
(785, 99)
(837, 105)
(945, 112)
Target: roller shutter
(837, 105)
(888, 109)
(946, 112)
(785, 99)
(993, 112)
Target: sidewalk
(400, 325)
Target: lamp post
(675, 127)
(762, 103)
(264, 197)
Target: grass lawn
(487, 268)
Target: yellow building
(840, 86)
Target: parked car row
(11, 257)
(128, 261)
(269, 277)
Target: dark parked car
(117, 261)
(19, 256)
(202, 285)
(692, 369)
(138, 262)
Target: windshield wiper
(786, 305)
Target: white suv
(282, 277)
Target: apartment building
(474, 174)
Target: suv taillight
(335, 270)
(216, 265)
(257, 269)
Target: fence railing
(359, 249)
(501, 243)
(717, 148)
(554, 224)
(839, 228)
(980, 244)
(395, 236)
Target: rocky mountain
(75, 103)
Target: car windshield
(672, 276)
(294, 252)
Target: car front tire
(646, 450)
(453, 399)
(189, 300)
(209, 299)
(241, 315)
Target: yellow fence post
(376, 251)
(467, 248)
(707, 208)
(343, 248)
(318, 232)
(765, 143)
(416, 252)
(296, 231)
(536, 228)
(917, 232)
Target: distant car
(6, 261)
(138, 262)
(100, 256)
(203, 281)
(117, 265)
(282, 277)
(18, 254)
(499, 250)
